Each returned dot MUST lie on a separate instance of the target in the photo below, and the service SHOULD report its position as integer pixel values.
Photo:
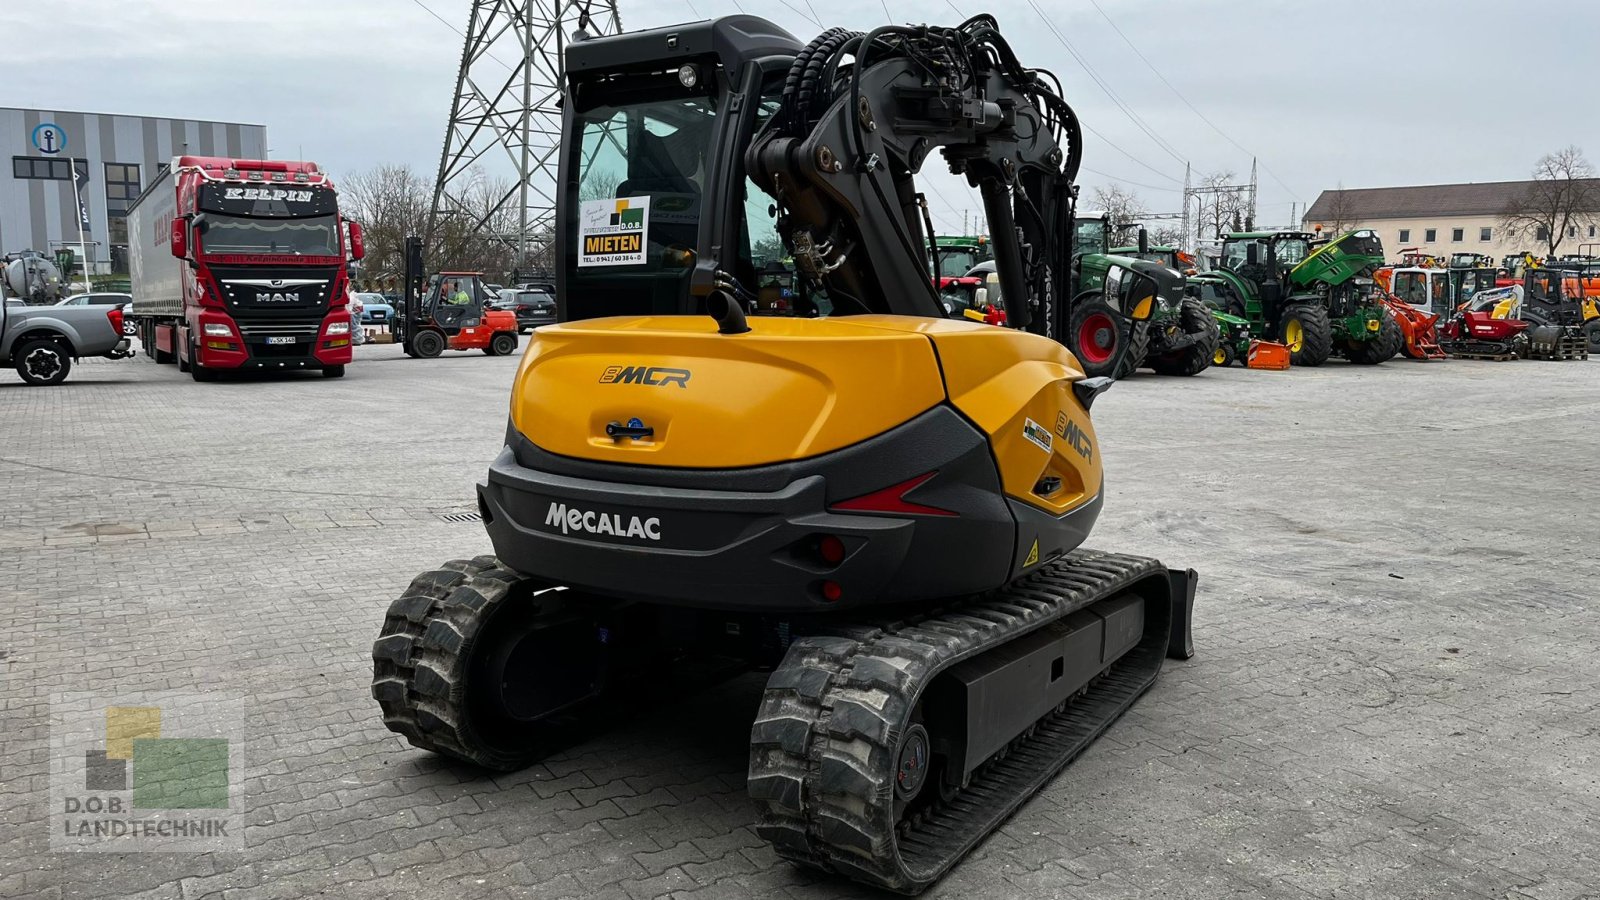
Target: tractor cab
(1263, 261)
(1425, 289)
(1467, 283)
(1091, 233)
(1558, 296)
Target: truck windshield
(315, 236)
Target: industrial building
(1442, 219)
(113, 157)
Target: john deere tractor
(1317, 300)
(1180, 338)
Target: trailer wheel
(428, 343)
(43, 362)
(504, 343)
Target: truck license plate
(287, 339)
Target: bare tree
(1168, 235)
(1223, 206)
(1125, 209)
(1341, 213)
(476, 233)
(390, 202)
(1563, 195)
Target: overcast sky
(1325, 94)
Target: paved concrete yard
(1395, 693)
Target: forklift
(450, 311)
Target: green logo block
(180, 773)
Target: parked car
(533, 308)
(130, 328)
(42, 341)
(375, 309)
(97, 299)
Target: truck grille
(255, 332)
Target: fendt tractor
(883, 505)
(242, 264)
(1181, 337)
(1317, 300)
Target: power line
(1192, 108)
(1106, 88)
(797, 11)
(1120, 179)
(424, 7)
(1130, 156)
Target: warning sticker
(1033, 555)
(612, 232)
(1037, 433)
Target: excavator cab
(657, 208)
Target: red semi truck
(240, 264)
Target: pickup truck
(42, 341)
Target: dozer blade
(886, 751)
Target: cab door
(451, 318)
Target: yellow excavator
(881, 505)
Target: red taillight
(893, 500)
(115, 315)
(831, 549)
(831, 591)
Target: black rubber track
(1194, 318)
(1381, 348)
(1316, 333)
(419, 663)
(826, 737)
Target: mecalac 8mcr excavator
(880, 505)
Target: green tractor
(1179, 339)
(1316, 300)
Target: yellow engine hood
(788, 389)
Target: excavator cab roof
(731, 40)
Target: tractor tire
(1315, 334)
(428, 344)
(1224, 356)
(1194, 318)
(43, 362)
(436, 646)
(333, 371)
(1592, 332)
(1138, 349)
(1095, 335)
(1381, 348)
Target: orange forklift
(453, 312)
